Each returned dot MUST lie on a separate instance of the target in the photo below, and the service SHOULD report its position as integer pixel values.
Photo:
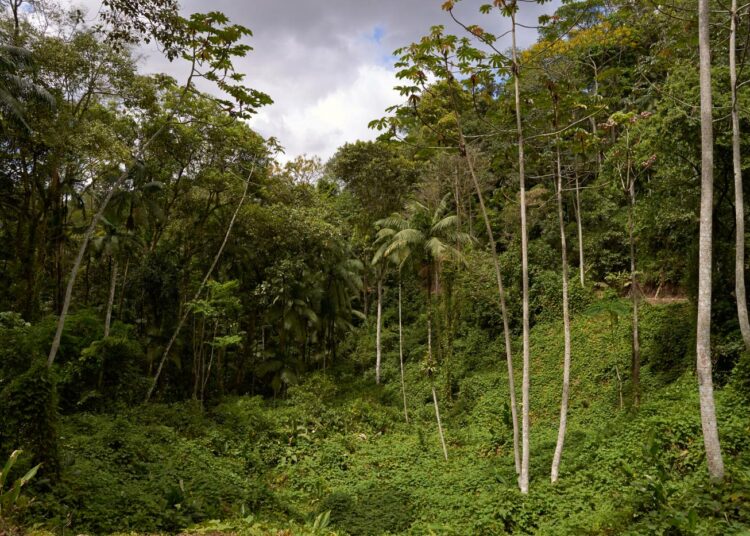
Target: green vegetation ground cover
(338, 443)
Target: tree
(208, 44)
(703, 336)
(398, 256)
(566, 308)
(434, 233)
(511, 9)
(447, 58)
(628, 174)
(739, 204)
(198, 292)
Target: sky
(328, 64)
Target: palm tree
(435, 234)
(397, 256)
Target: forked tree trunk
(703, 335)
(378, 351)
(111, 300)
(200, 288)
(566, 327)
(523, 479)
(739, 203)
(401, 349)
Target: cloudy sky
(327, 64)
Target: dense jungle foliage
(197, 338)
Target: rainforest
(517, 307)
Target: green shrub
(372, 509)
(29, 418)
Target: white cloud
(340, 116)
(324, 62)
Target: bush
(29, 419)
(373, 508)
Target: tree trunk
(111, 300)
(434, 394)
(566, 327)
(401, 349)
(703, 335)
(739, 203)
(634, 296)
(523, 480)
(77, 264)
(439, 423)
(579, 225)
(200, 288)
(378, 353)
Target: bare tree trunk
(401, 348)
(634, 296)
(111, 300)
(434, 394)
(95, 221)
(739, 202)
(703, 336)
(566, 327)
(200, 288)
(378, 352)
(579, 225)
(523, 480)
(439, 423)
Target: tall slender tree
(434, 233)
(703, 336)
(510, 8)
(739, 202)
(566, 308)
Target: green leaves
(9, 498)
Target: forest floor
(336, 455)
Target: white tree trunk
(111, 300)
(439, 423)
(434, 394)
(580, 234)
(703, 335)
(378, 353)
(523, 480)
(739, 202)
(200, 288)
(566, 327)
